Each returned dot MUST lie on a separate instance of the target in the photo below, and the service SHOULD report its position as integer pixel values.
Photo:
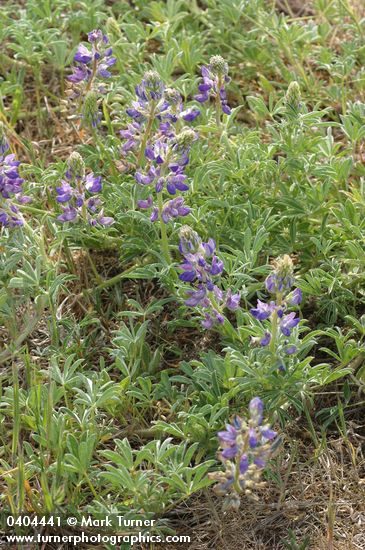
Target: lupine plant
(77, 195)
(11, 194)
(116, 382)
(86, 83)
(246, 447)
(200, 268)
(215, 77)
(154, 103)
(278, 332)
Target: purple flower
(146, 203)
(215, 77)
(244, 464)
(93, 183)
(92, 63)
(174, 209)
(83, 55)
(290, 350)
(252, 438)
(288, 322)
(10, 186)
(73, 194)
(229, 435)
(69, 214)
(295, 298)
(190, 114)
(246, 447)
(265, 340)
(262, 310)
(196, 297)
(268, 433)
(232, 300)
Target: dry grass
(319, 497)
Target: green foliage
(114, 390)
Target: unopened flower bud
(90, 112)
(185, 138)
(218, 65)
(75, 166)
(190, 242)
(112, 28)
(153, 85)
(256, 409)
(173, 96)
(4, 146)
(293, 98)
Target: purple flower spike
(215, 76)
(73, 194)
(10, 186)
(92, 64)
(245, 449)
(199, 268)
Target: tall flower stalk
(246, 447)
(215, 77)
(166, 162)
(281, 323)
(200, 268)
(11, 192)
(86, 83)
(155, 105)
(77, 195)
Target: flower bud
(173, 96)
(281, 279)
(293, 97)
(112, 28)
(284, 266)
(95, 36)
(190, 241)
(4, 146)
(256, 409)
(218, 65)
(185, 138)
(90, 112)
(153, 85)
(75, 166)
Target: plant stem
(146, 135)
(218, 106)
(164, 239)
